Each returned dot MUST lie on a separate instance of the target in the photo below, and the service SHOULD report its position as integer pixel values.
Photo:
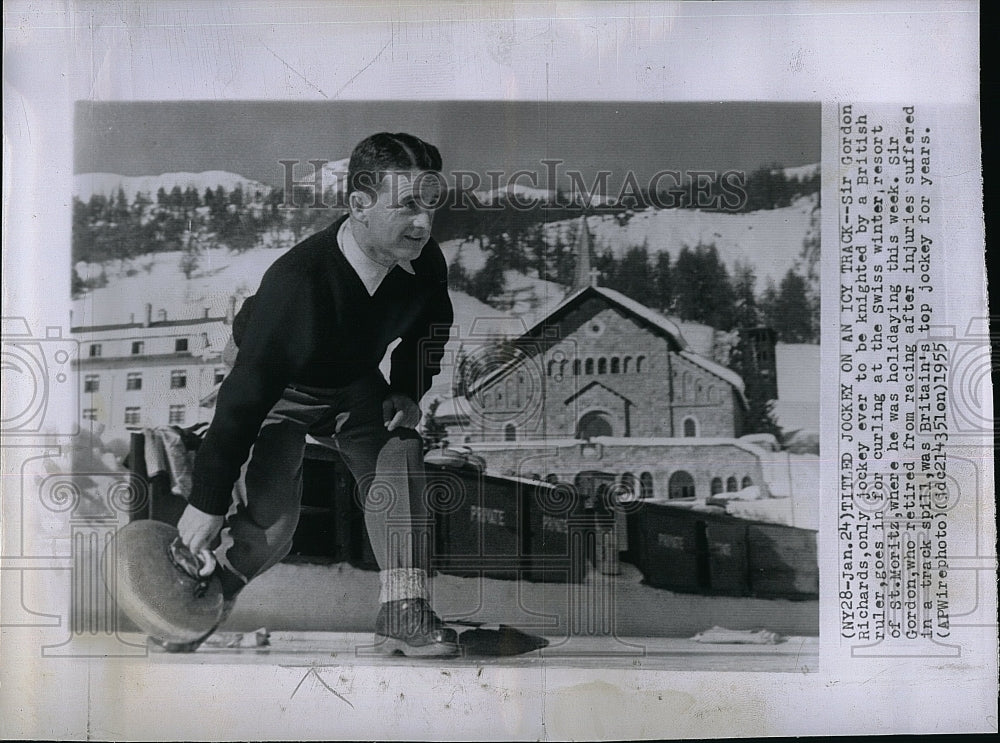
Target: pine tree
(702, 288)
(488, 282)
(790, 312)
(746, 312)
(663, 283)
(632, 275)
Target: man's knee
(404, 442)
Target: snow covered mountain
(86, 185)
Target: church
(599, 365)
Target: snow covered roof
(651, 316)
(623, 302)
(715, 368)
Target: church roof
(629, 306)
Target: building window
(681, 485)
(220, 374)
(91, 383)
(90, 414)
(690, 427)
(698, 389)
(747, 482)
(576, 367)
(625, 364)
(731, 485)
(180, 345)
(588, 366)
(509, 432)
(615, 365)
(138, 347)
(716, 485)
(176, 414)
(95, 350)
(602, 365)
(646, 485)
(638, 364)
(178, 379)
(133, 416)
(133, 381)
(711, 394)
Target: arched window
(552, 367)
(690, 427)
(576, 367)
(731, 485)
(629, 487)
(646, 485)
(588, 366)
(747, 482)
(638, 364)
(711, 393)
(625, 364)
(681, 485)
(602, 365)
(698, 390)
(594, 423)
(509, 432)
(716, 485)
(685, 385)
(615, 365)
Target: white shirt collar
(370, 272)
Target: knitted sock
(402, 583)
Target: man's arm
(276, 343)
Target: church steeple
(585, 274)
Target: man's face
(396, 224)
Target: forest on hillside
(695, 286)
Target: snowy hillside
(86, 185)
(770, 240)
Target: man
(321, 321)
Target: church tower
(585, 275)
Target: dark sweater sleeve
(276, 343)
(417, 358)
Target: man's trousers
(388, 467)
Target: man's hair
(383, 152)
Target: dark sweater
(314, 324)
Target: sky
(249, 138)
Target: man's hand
(198, 529)
(399, 411)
